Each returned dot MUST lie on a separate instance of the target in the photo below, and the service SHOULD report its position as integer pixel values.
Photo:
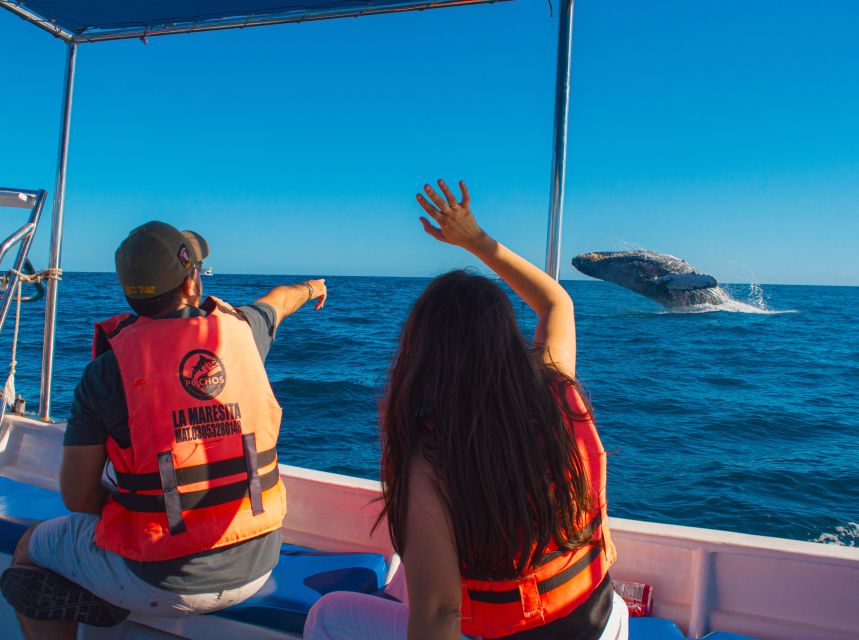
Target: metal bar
(33, 18)
(12, 240)
(32, 194)
(56, 237)
(218, 24)
(559, 153)
(25, 236)
(701, 570)
(234, 23)
(17, 198)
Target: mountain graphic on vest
(202, 374)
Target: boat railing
(34, 200)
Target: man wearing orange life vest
(177, 399)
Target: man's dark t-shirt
(99, 411)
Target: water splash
(755, 303)
(756, 296)
(845, 535)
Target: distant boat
(207, 271)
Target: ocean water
(745, 418)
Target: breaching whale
(666, 279)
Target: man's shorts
(67, 546)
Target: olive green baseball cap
(156, 257)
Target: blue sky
(725, 132)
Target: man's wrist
(309, 290)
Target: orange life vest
(201, 471)
(563, 580)
(106, 328)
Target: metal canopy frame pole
(57, 237)
(559, 153)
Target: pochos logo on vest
(202, 374)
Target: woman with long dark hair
(493, 474)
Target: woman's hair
(467, 392)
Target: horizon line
(430, 277)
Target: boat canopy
(95, 20)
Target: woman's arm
(431, 561)
(556, 327)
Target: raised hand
(456, 223)
(556, 329)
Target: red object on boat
(638, 597)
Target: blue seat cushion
(303, 576)
(20, 506)
(20, 500)
(11, 530)
(664, 629)
(654, 629)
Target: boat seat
(664, 629)
(303, 576)
(646, 628)
(11, 530)
(20, 506)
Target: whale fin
(686, 281)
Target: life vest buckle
(529, 593)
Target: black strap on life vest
(172, 498)
(595, 522)
(197, 473)
(249, 443)
(549, 584)
(157, 502)
(514, 595)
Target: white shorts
(67, 546)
